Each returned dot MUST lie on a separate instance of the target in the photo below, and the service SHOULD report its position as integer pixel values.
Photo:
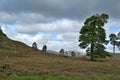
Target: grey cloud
(37, 6)
(77, 9)
(110, 7)
(22, 18)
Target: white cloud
(111, 25)
(68, 36)
(64, 25)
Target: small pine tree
(44, 49)
(61, 51)
(73, 54)
(114, 40)
(34, 45)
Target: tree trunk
(113, 49)
(92, 52)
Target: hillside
(10, 47)
(20, 62)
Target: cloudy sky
(55, 23)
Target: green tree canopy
(92, 36)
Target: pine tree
(73, 54)
(34, 45)
(114, 40)
(92, 36)
(61, 51)
(44, 49)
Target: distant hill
(67, 53)
(78, 53)
(52, 52)
(116, 56)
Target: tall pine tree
(92, 36)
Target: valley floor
(50, 67)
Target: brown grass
(40, 64)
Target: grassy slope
(12, 48)
(17, 59)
